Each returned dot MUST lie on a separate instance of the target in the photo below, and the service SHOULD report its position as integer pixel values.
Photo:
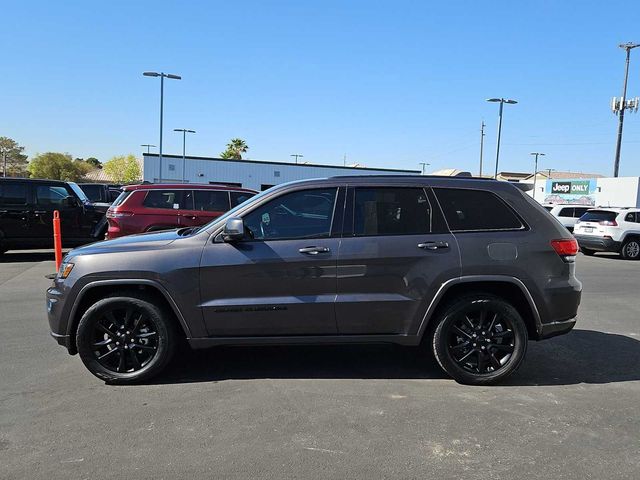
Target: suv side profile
(610, 230)
(26, 214)
(470, 269)
(152, 207)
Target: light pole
(502, 101)
(149, 146)
(482, 125)
(622, 106)
(162, 76)
(184, 143)
(535, 171)
(424, 164)
(297, 155)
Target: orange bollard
(57, 239)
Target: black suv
(101, 192)
(467, 268)
(26, 214)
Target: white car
(567, 215)
(610, 230)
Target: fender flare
(435, 302)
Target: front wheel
(125, 338)
(631, 249)
(479, 339)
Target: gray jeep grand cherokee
(469, 268)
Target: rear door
(161, 208)
(14, 210)
(208, 204)
(47, 199)
(395, 253)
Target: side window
(472, 210)
(94, 192)
(391, 211)
(211, 200)
(51, 195)
(566, 212)
(238, 197)
(113, 195)
(169, 199)
(13, 194)
(579, 211)
(301, 214)
(630, 217)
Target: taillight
(567, 248)
(118, 214)
(608, 223)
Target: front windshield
(78, 191)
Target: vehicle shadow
(582, 356)
(26, 256)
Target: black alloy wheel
(480, 339)
(125, 339)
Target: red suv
(148, 207)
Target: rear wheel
(631, 249)
(479, 339)
(125, 338)
(587, 252)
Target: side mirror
(70, 201)
(233, 230)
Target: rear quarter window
(121, 198)
(13, 194)
(476, 210)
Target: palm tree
(235, 148)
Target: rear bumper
(599, 244)
(548, 330)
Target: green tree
(16, 160)
(57, 166)
(235, 148)
(123, 169)
(93, 161)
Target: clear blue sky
(389, 83)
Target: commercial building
(258, 175)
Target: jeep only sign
(581, 192)
(575, 187)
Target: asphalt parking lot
(571, 411)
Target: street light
(184, 142)
(162, 76)
(424, 164)
(502, 102)
(297, 155)
(149, 146)
(622, 105)
(535, 171)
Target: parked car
(152, 207)
(610, 230)
(101, 192)
(567, 215)
(468, 268)
(26, 214)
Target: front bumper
(548, 330)
(599, 244)
(58, 327)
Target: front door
(280, 280)
(394, 255)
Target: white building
(254, 174)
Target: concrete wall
(249, 173)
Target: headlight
(65, 269)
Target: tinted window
(630, 217)
(238, 197)
(169, 199)
(391, 211)
(13, 193)
(211, 200)
(93, 192)
(579, 211)
(121, 198)
(566, 212)
(50, 194)
(476, 210)
(598, 216)
(113, 194)
(301, 214)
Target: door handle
(314, 250)
(40, 212)
(433, 245)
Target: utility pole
(344, 160)
(424, 164)
(297, 155)
(620, 106)
(535, 171)
(184, 147)
(148, 145)
(481, 146)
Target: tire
(457, 341)
(112, 326)
(587, 252)
(631, 249)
